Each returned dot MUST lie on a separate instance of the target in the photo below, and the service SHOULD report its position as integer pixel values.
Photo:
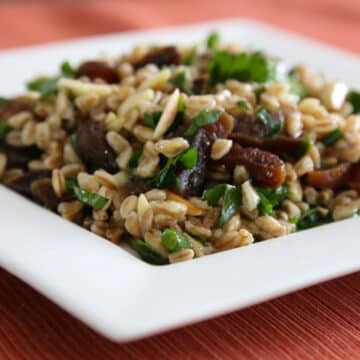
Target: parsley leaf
(354, 99)
(231, 202)
(152, 119)
(180, 81)
(332, 138)
(242, 66)
(205, 117)
(271, 198)
(47, 86)
(212, 40)
(311, 218)
(166, 177)
(148, 253)
(4, 129)
(173, 240)
(135, 158)
(303, 148)
(273, 127)
(189, 158)
(296, 88)
(243, 104)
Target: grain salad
(183, 151)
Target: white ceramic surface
(114, 292)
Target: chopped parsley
(332, 138)
(303, 148)
(273, 127)
(135, 158)
(180, 81)
(245, 67)
(271, 198)
(189, 158)
(354, 99)
(311, 218)
(212, 40)
(190, 58)
(296, 88)
(47, 86)
(148, 253)
(173, 240)
(243, 104)
(231, 200)
(152, 119)
(205, 117)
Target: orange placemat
(322, 322)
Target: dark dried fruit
(248, 124)
(98, 70)
(14, 107)
(266, 168)
(330, 178)
(167, 55)
(192, 181)
(199, 86)
(22, 184)
(354, 177)
(92, 148)
(281, 145)
(19, 157)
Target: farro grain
(181, 255)
(220, 148)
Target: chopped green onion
(243, 104)
(205, 117)
(332, 138)
(212, 40)
(166, 177)
(312, 218)
(173, 240)
(273, 127)
(189, 158)
(213, 195)
(4, 129)
(152, 119)
(94, 200)
(148, 253)
(180, 81)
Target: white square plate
(114, 292)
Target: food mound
(185, 151)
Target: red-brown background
(322, 322)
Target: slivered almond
(191, 208)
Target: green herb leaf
(190, 58)
(243, 104)
(152, 119)
(180, 81)
(70, 183)
(166, 177)
(231, 202)
(253, 67)
(3, 102)
(4, 129)
(271, 198)
(47, 86)
(148, 253)
(189, 158)
(354, 99)
(303, 148)
(67, 69)
(205, 117)
(296, 88)
(94, 200)
(273, 127)
(135, 158)
(258, 92)
(332, 138)
(311, 218)
(212, 40)
(213, 195)
(173, 240)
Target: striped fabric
(322, 322)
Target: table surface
(321, 322)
